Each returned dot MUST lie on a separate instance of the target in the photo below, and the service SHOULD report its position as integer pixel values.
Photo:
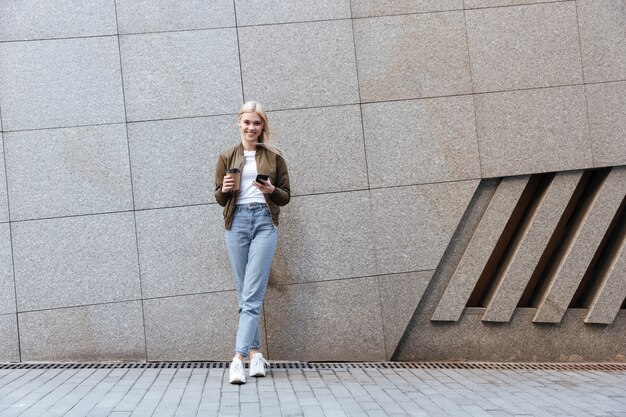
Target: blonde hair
(264, 137)
(254, 107)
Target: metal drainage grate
(616, 367)
(607, 367)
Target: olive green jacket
(269, 162)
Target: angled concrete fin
(568, 271)
(480, 248)
(538, 230)
(612, 290)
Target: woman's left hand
(265, 187)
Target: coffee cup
(236, 175)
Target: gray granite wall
(394, 116)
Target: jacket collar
(261, 147)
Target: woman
(251, 208)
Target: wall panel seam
(515, 5)
(6, 183)
(243, 91)
(469, 62)
(132, 186)
(582, 70)
(358, 87)
(317, 107)
(57, 39)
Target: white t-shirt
(248, 193)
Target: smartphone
(262, 178)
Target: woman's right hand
(228, 184)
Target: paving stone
(341, 392)
(313, 412)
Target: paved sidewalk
(335, 391)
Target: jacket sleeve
(282, 191)
(220, 171)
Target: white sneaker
(237, 375)
(257, 365)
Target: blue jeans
(251, 244)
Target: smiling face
(250, 127)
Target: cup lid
(232, 171)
